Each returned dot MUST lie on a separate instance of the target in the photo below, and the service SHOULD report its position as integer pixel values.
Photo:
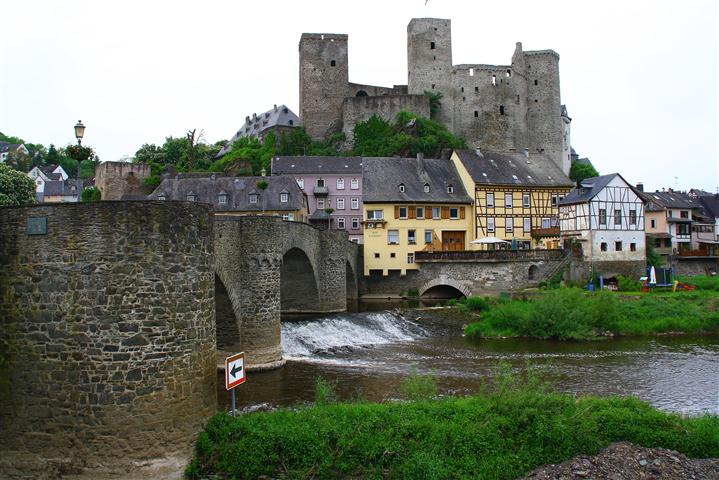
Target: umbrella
(652, 276)
(488, 240)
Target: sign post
(235, 375)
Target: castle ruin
(498, 108)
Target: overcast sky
(639, 77)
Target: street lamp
(79, 131)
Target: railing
(490, 256)
(545, 232)
(697, 253)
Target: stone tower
(429, 61)
(544, 119)
(324, 81)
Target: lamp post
(79, 133)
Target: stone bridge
(266, 266)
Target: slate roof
(207, 189)
(60, 188)
(669, 199)
(710, 204)
(8, 147)
(491, 168)
(279, 115)
(381, 177)
(590, 187)
(316, 165)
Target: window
(393, 237)
(162, 197)
(546, 223)
(617, 217)
(535, 82)
(321, 203)
(490, 200)
(684, 214)
(320, 182)
(284, 197)
(410, 258)
(333, 63)
(494, 80)
(508, 200)
(633, 247)
(490, 225)
(683, 229)
(450, 188)
(376, 255)
(340, 184)
(476, 114)
(603, 246)
(527, 225)
(341, 223)
(401, 187)
(509, 224)
(354, 184)
(426, 188)
(222, 199)
(476, 89)
(420, 213)
(392, 255)
(374, 214)
(403, 213)
(632, 217)
(428, 236)
(340, 204)
(555, 199)
(654, 223)
(602, 216)
(301, 183)
(355, 224)
(501, 109)
(436, 213)
(191, 197)
(431, 45)
(411, 237)
(253, 198)
(526, 202)
(355, 203)
(288, 216)
(454, 213)
(618, 246)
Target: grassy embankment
(574, 314)
(499, 435)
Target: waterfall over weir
(345, 332)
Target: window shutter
(445, 213)
(428, 213)
(412, 212)
(461, 212)
(396, 211)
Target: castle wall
(544, 121)
(354, 89)
(359, 109)
(107, 333)
(115, 179)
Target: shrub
(628, 284)
(419, 387)
(452, 302)
(413, 292)
(325, 391)
(477, 304)
(702, 282)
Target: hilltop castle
(498, 108)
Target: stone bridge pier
(268, 266)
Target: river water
(369, 354)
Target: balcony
(545, 232)
(709, 252)
(489, 256)
(321, 191)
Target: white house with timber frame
(604, 216)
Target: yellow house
(411, 205)
(516, 196)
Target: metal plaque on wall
(37, 226)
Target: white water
(345, 332)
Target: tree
(580, 171)
(16, 188)
(434, 102)
(91, 194)
(653, 258)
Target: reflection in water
(368, 355)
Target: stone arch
(298, 282)
(533, 272)
(361, 93)
(443, 281)
(226, 324)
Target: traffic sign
(235, 370)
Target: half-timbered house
(603, 220)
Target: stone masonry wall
(358, 109)
(115, 179)
(695, 266)
(107, 332)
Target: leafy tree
(653, 258)
(16, 188)
(580, 171)
(434, 102)
(91, 194)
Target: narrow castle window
(433, 86)
(509, 73)
(535, 82)
(476, 89)
(471, 72)
(476, 114)
(517, 101)
(494, 80)
(291, 122)
(333, 63)
(461, 89)
(501, 109)
(434, 57)
(431, 46)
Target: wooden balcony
(489, 256)
(703, 252)
(545, 232)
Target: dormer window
(401, 187)
(191, 197)
(320, 182)
(253, 197)
(222, 198)
(161, 197)
(301, 182)
(284, 197)
(426, 188)
(450, 188)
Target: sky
(639, 78)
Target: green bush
(325, 391)
(419, 387)
(413, 292)
(628, 284)
(476, 304)
(452, 302)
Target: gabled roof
(296, 165)
(669, 199)
(492, 168)
(9, 147)
(383, 175)
(710, 204)
(207, 188)
(590, 187)
(255, 125)
(60, 188)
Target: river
(368, 354)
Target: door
(452, 241)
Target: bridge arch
(444, 281)
(227, 327)
(533, 272)
(298, 282)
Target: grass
(501, 434)
(574, 314)
(703, 282)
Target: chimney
(478, 152)
(420, 162)
(247, 119)
(526, 152)
(275, 107)
(640, 186)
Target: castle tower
(544, 117)
(429, 61)
(324, 80)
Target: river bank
(499, 435)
